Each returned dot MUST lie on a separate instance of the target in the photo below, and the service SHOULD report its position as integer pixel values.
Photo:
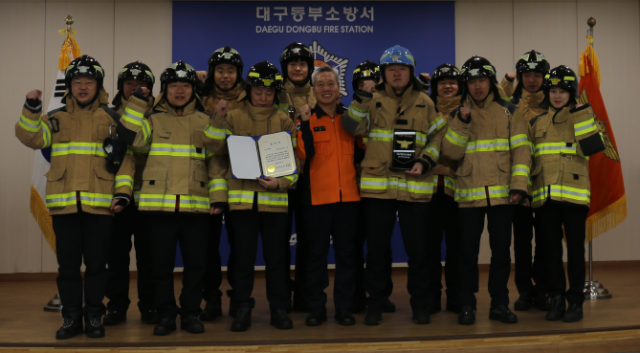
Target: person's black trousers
(321, 222)
(82, 236)
(549, 221)
(299, 285)
(361, 293)
(213, 275)
(125, 224)
(443, 219)
(192, 231)
(380, 219)
(526, 270)
(471, 228)
(248, 225)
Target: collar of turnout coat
(71, 103)
(162, 105)
(447, 105)
(260, 113)
(230, 95)
(297, 90)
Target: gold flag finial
(70, 48)
(591, 22)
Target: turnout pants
(471, 227)
(321, 222)
(125, 224)
(82, 236)
(192, 231)
(527, 268)
(213, 276)
(443, 219)
(380, 219)
(549, 221)
(248, 225)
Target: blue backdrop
(340, 33)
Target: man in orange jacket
(329, 196)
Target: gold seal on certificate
(267, 155)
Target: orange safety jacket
(327, 149)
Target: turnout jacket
(328, 152)
(528, 104)
(78, 169)
(177, 173)
(446, 167)
(240, 193)
(379, 114)
(493, 151)
(293, 97)
(140, 154)
(563, 141)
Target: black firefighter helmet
(367, 70)
(294, 52)
(445, 71)
(263, 74)
(478, 66)
(562, 77)
(83, 66)
(531, 61)
(136, 70)
(226, 55)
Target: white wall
(118, 32)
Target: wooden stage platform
(611, 325)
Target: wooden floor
(609, 326)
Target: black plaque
(404, 149)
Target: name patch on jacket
(320, 128)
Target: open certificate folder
(261, 156)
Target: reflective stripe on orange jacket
(330, 173)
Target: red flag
(608, 199)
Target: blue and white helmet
(397, 55)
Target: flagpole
(593, 289)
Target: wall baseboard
(51, 276)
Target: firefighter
(221, 91)
(365, 71)
(488, 138)
(81, 193)
(398, 108)
(297, 63)
(330, 198)
(175, 189)
(258, 207)
(130, 221)
(527, 96)
(563, 139)
(446, 90)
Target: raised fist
(465, 112)
(222, 107)
(511, 75)
(369, 86)
(35, 94)
(305, 112)
(144, 91)
(202, 75)
(425, 77)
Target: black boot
(72, 324)
(191, 324)
(115, 317)
(373, 317)
(389, 307)
(150, 316)
(525, 302)
(421, 315)
(317, 316)
(467, 315)
(573, 313)
(165, 326)
(502, 314)
(93, 323)
(558, 307)
(281, 320)
(212, 310)
(344, 317)
(242, 320)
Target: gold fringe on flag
(41, 214)
(607, 218)
(593, 58)
(70, 49)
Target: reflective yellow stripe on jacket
(426, 187)
(86, 198)
(560, 191)
(488, 145)
(90, 148)
(164, 201)
(264, 198)
(480, 193)
(168, 149)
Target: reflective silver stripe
(377, 134)
(171, 149)
(93, 198)
(61, 199)
(196, 202)
(133, 117)
(241, 196)
(393, 182)
(75, 147)
(155, 199)
(565, 191)
(555, 148)
(272, 198)
(498, 191)
(421, 139)
(469, 194)
(473, 144)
